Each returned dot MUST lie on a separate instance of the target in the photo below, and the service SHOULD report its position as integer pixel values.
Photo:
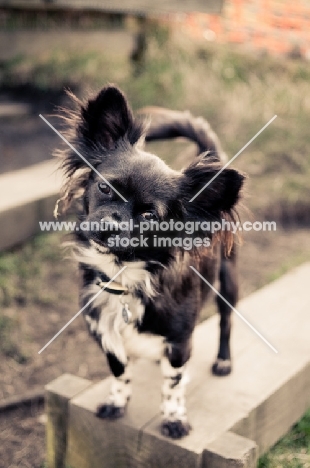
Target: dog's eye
(104, 188)
(149, 215)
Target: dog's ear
(95, 128)
(107, 118)
(219, 196)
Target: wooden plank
(31, 183)
(122, 6)
(260, 400)
(273, 417)
(276, 386)
(28, 398)
(230, 451)
(90, 439)
(261, 405)
(27, 196)
(14, 110)
(58, 394)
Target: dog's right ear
(95, 129)
(107, 118)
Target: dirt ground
(22, 438)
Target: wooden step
(234, 418)
(9, 109)
(27, 196)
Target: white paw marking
(173, 406)
(120, 390)
(223, 363)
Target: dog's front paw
(110, 411)
(221, 367)
(175, 429)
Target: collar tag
(127, 315)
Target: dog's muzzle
(109, 224)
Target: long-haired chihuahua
(142, 298)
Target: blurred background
(237, 63)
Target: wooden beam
(233, 417)
(14, 110)
(36, 189)
(58, 394)
(230, 451)
(119, 6)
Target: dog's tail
(168, 124)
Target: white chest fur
(116, 335)
(120, 337)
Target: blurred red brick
(277, 26)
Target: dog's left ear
(107, 118)
(219, 196)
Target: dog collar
(111, 287)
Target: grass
(286, 266)
(52, 70)
(293, 450)
(21, 270)
(9, 348)
(247, 92)
(22, 284)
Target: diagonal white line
(81, 156)
(83, 308)
(232, 159)
(236, 311)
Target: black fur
(110, 138)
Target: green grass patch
(23, 275)
(293, 450)
(22, 269)
(287, 265)
(9, 348)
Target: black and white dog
(151, 307)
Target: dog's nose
(109, 224)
